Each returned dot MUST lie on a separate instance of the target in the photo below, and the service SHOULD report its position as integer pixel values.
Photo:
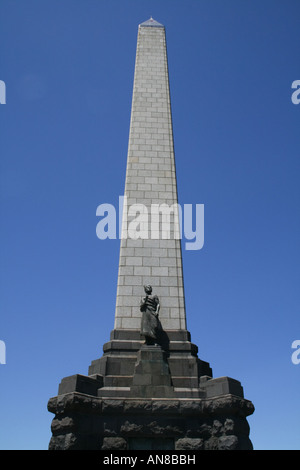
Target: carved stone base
(86, 422)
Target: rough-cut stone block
(114, 443)
(189, 444)
(228, 443)
(165, 406)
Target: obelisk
(150, 246)
(149, 390)
(155, 257)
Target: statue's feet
(150, 342)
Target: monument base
(138, 396)
(83, 422)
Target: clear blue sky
(68, 68)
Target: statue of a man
(150, 326)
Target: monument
(149, 389)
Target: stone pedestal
(150, 397)
(151, 376)
(125, 348)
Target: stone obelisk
(155, 257)
(150, 247)
(149, 389)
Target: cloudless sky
(68, 68)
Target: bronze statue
(150, 326)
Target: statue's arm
(142, 303)
(157, 306)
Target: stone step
(134, 335)
(117, 380)
(114, 392)
(126, 381)
(113, 365)
(185, 382)
(125, 346)
(122, 345)
(186, 392)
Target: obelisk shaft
(150, 179)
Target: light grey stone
(151, 178)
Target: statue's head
(148, 289)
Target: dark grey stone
(136, 391)
(112, 406)
(85, 422)
(64, 441)
(114, 443)
(222, 386)
(165, 406)
(189, 444)
(228, 443)
(137, 406)
(152, 376)
(121, 354)
(81, 383)
(150, 325)
(65, 423)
